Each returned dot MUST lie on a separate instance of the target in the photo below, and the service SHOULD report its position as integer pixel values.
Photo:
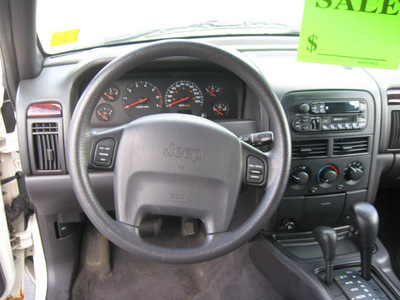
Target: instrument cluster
(209, 95)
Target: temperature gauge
(220, 110)
(104, 112)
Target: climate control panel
(319, 177)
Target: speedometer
(184, 97)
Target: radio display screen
(341, 107)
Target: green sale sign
(355, 33)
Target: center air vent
(309, 148)
(46, 146)
(350, 146)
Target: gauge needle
(211, 93)
(109, 97)
(103, 116)
(176, 102)
(218, 111)
(137, 102)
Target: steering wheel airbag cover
(176, 164)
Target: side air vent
(46, 146)
(394, 142)
(45, 138)
(309, 148)
(350, 146)
(393, 97)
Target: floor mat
(388, 206)
(230, 277)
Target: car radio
(339, 115)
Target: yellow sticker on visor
(355, 33)
(64, 37)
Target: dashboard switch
(104, 152)
(255, 170)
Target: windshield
(76, 24)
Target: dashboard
(343, 126)
(214, 96)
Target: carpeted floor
(230, 277)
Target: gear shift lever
(326, 238)
(365, 221)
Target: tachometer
(142, 98)
(184, 97)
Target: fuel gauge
(220, 109)
(104, 112)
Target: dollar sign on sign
(313, 45)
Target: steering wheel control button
(255, 170)
(103, 155)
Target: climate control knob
(328, 174)
(300, 177)
(354, 171)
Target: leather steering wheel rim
(80, 141)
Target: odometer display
(184, 96)
(142, 98)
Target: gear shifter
(365, 221)
(326, 238)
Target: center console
(324, 237)
(332, 138)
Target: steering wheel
(179, 165)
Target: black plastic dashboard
(64, 78)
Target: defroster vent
(346, 146)
(46, 146)
(309, 148)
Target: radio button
(304, 108)
(315, 108)
(362, 125)
(326, 127)
(349, 126)
(341, 126)
(356, 126)
(326, 120)
(322, 108)
(361, 118)
(334, 127)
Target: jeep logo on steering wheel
(189, 153)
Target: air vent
(309, 148)
(394, 142)
(350, 146)
(393, 97)
(46, 146)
